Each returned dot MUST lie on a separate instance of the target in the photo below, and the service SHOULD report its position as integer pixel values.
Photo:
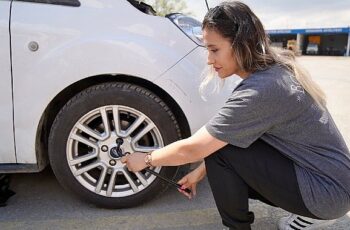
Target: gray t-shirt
(273, 106)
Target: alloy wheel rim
(92, 149)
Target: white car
(312, 48)
(84, 82)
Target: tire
(86, 127)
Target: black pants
(257, 172)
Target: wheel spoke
(130, 180)
(89, 131)
(111, 183)
(87, 168)
(101, 179)
(135, 125)
(83, 158)
(142, 178)
(116, 120)
(105, 121)
(84, 140)
(145, 130)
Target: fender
(71, 50)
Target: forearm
(177, 153)
(189, 150)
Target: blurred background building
(314, 27)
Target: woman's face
(220, 54)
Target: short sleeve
(245, 117)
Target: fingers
(192, 187)
(194, 190)
(134, 162)
(183, 180)
(184, 183)
(124, 159)
(188, 195)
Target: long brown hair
(251, 46)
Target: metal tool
(120, 153)
(168, 180)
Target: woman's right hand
(191, 179)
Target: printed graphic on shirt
(296, 86)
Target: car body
(71, 69)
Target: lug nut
(119, 141)
(112, 162)
(104, 148)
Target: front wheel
(95, 128)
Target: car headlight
(190, 26)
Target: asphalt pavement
(41, 203)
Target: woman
(273, 140)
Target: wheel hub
(116, 152)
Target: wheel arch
(52, 109)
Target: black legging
(257, 172)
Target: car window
(55, 2)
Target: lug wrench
(168, 180)
(120, 154)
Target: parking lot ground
(41, 203)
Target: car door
(7, 148)
(38, 29)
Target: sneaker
(295, 222)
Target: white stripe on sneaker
(295, 222)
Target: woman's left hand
(135, 161)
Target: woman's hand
(191, 179)
(135, 161)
